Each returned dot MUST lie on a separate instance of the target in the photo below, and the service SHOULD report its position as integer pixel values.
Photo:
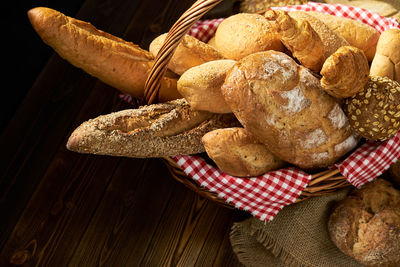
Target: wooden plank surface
(61, 208)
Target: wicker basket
(321, 183)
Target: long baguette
(158, 130)
(116, 62)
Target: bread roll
(355, 32)
(243, 34)
(386, 62)
(366, 225)
(190, 52)
(238, 153)
(345, 72)
(299, 37)
(282, 104)
(157, 130)
(201, 86)
(331, 40)
(114, 61)
(395, 173)
(374, 112)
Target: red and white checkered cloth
(266, 195)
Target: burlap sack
(297, 236)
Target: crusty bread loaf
(355, 32)
(157, 130)
(366, 225)
(345, 72)
(238, 153)
(190, 52)
(114, 61)
(201, 86)
(282, 104)
(331, 40)
(386, 62)
(299, 37)
(243, 34)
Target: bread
(366, 225)
(190, 52)
(243, 34)
(374, 112)
(282, 104)
(116, 62)
(299, 37)
(253, 6)
(345, 72)
(395, 173)
(386, 62)
(355, 32)
(211, 42)
(331, 40)
(237, 153)
(157, 130)
(201, 86)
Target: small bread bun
(374, 112)
(189, 53)
(345, 72)
(244, 34)
(201, 86)
(238, 153)
(386, 62)
(366, 225)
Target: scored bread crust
(356, 33)
(282, 104)
(116, 62)
(158, 130)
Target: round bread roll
(366, 225)
(374, 112)
(283, 105)
(395, 173)
(189, 53)
(244, 34)
(386, 62)
(201, 86)
(238, 153)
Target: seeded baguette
(153, 131)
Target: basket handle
(174, 36)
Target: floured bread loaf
(282, 104)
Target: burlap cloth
(297, 236)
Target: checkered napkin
(266, 195)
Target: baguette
(158, 130)
(114, 61)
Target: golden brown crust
(374, 112)
(366, 225)
(355, 32)
(190, 52)
(395, 173)
(299, 37)
(386, 62)
(157, 130)
(345, 72)
(243, 34)
(114, 61)
(329, 38)
(201, 86)
(282, 104)
(238, 153)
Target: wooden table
(61, 208)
